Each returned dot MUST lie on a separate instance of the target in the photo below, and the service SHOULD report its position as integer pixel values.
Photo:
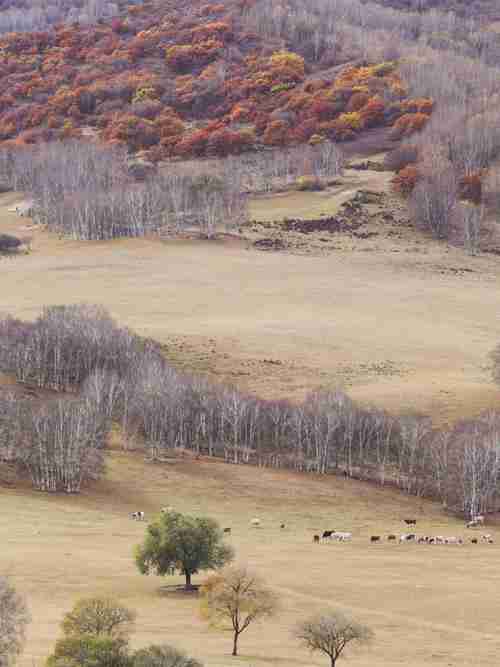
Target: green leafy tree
(163, 656)
(98, 616)
(90, 651)
(175, 542)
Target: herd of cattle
(344, 536)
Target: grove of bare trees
(23, 16)
(90, 192)
(105, 373)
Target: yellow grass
(395, 320)
(428, 605)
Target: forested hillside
(193, 79)
(27, 16)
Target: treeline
(90, 192)
(110, 374)
(22, 16)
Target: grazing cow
(407, 537)
(391, 538)
(316, 539)
(341, 536)
(439, 539)
(472, 524)
(453, 540)
(473, 540)
(422, 540)
(410, 522)
(375, 538)
(327, 534)
(487, 538)
(138, 516)
(227, 530)
(255, 523)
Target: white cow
(407, 537)
(138, 516)
(454, 540)
(341, 536)
(255, 523)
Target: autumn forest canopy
(193, 79)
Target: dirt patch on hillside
(367, 216)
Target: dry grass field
(428, 605)
(400, 321)
(396, 319)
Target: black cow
(282, 525)
(375, 538)
(474, 540)
(410, 522)
(227, 530)
(316, 539)
(327, 534)
(391, 538)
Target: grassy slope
(395, 319)
(428, 605)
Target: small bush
(9, 244)
(401, 157)
(471, 188)
(405, 180)
(309, 184)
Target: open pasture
(405, 323)
(427, 604)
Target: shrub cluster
(196, 80)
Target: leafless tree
(434, 200)
(470, 220)
(99, 616)
(238, 597)
(14, 617)
(330, 632)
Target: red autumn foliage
(185, 79)
(408, 124)
(405, 180)
(471, 188)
